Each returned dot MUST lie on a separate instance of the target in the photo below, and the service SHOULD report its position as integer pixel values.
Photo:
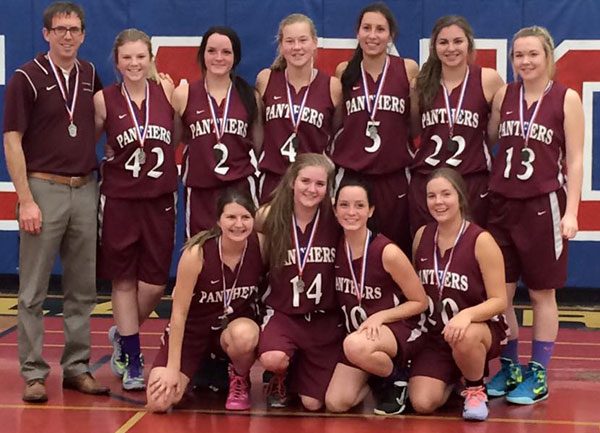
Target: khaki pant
(69, 220)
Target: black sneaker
(276, 392)
(391, 399)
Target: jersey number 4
(134, 166)
(314, 290)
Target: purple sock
(511, 351)
(541, 351)
(130, 344)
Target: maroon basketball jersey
(206, 306)
(314, 130)
(123, 175)
(463, 284)
(380, 292)
(206, 163)
(389, 149)
(319, 292)
(515, 175)
(469, 153)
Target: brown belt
(72, 181)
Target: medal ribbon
(440, 281)
(452, 118)
(219, 129)
(373, 109)
(296, 120)
(141, 135)
(525, 131)
(228, 294)
(71, 109)
(301, 259)
(363, 272)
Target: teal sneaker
(507, 379)
(117, 360)
(534, 387)
(133, 378)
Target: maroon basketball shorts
(389, 195)
(434, 355)
(528, 232)
(267, 184)
(477, 192)
(136, 238)
(313, 340)
(196, 347)
(201, 203)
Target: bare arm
(262, 79)
(491, 82)
(400, 269)
(491, 263)
(30, 215)
(188, 270)
(415, 115)
(494, 121)
(339, 69)
(398, 266)
(99, 114)
(416, 242)
(257, 127)
(335, 91)
(574, 134)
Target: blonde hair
(279, 64)
(547, 42)
(134, 35)
(278, 223)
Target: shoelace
(475, 395)
(238, 385)
(136, 365)
(276, 386)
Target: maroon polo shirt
(33, 105)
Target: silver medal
(142, 156)
(72, 130)
(373, 132)
(300, 285)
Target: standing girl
(299, 101)
(534, 210)
(452, 111)
(138, 196)
(375, 139)
(222, 126)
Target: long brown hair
(134, 35)
(278, 222)
(279, 64)
(428, 80)
(458, 183)
(230, 195)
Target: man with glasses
(50, 153)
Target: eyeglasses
(61, 31)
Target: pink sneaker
(238, 398)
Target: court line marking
(61, 346)
(58, 331)
(284, 414)
(131, 422)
